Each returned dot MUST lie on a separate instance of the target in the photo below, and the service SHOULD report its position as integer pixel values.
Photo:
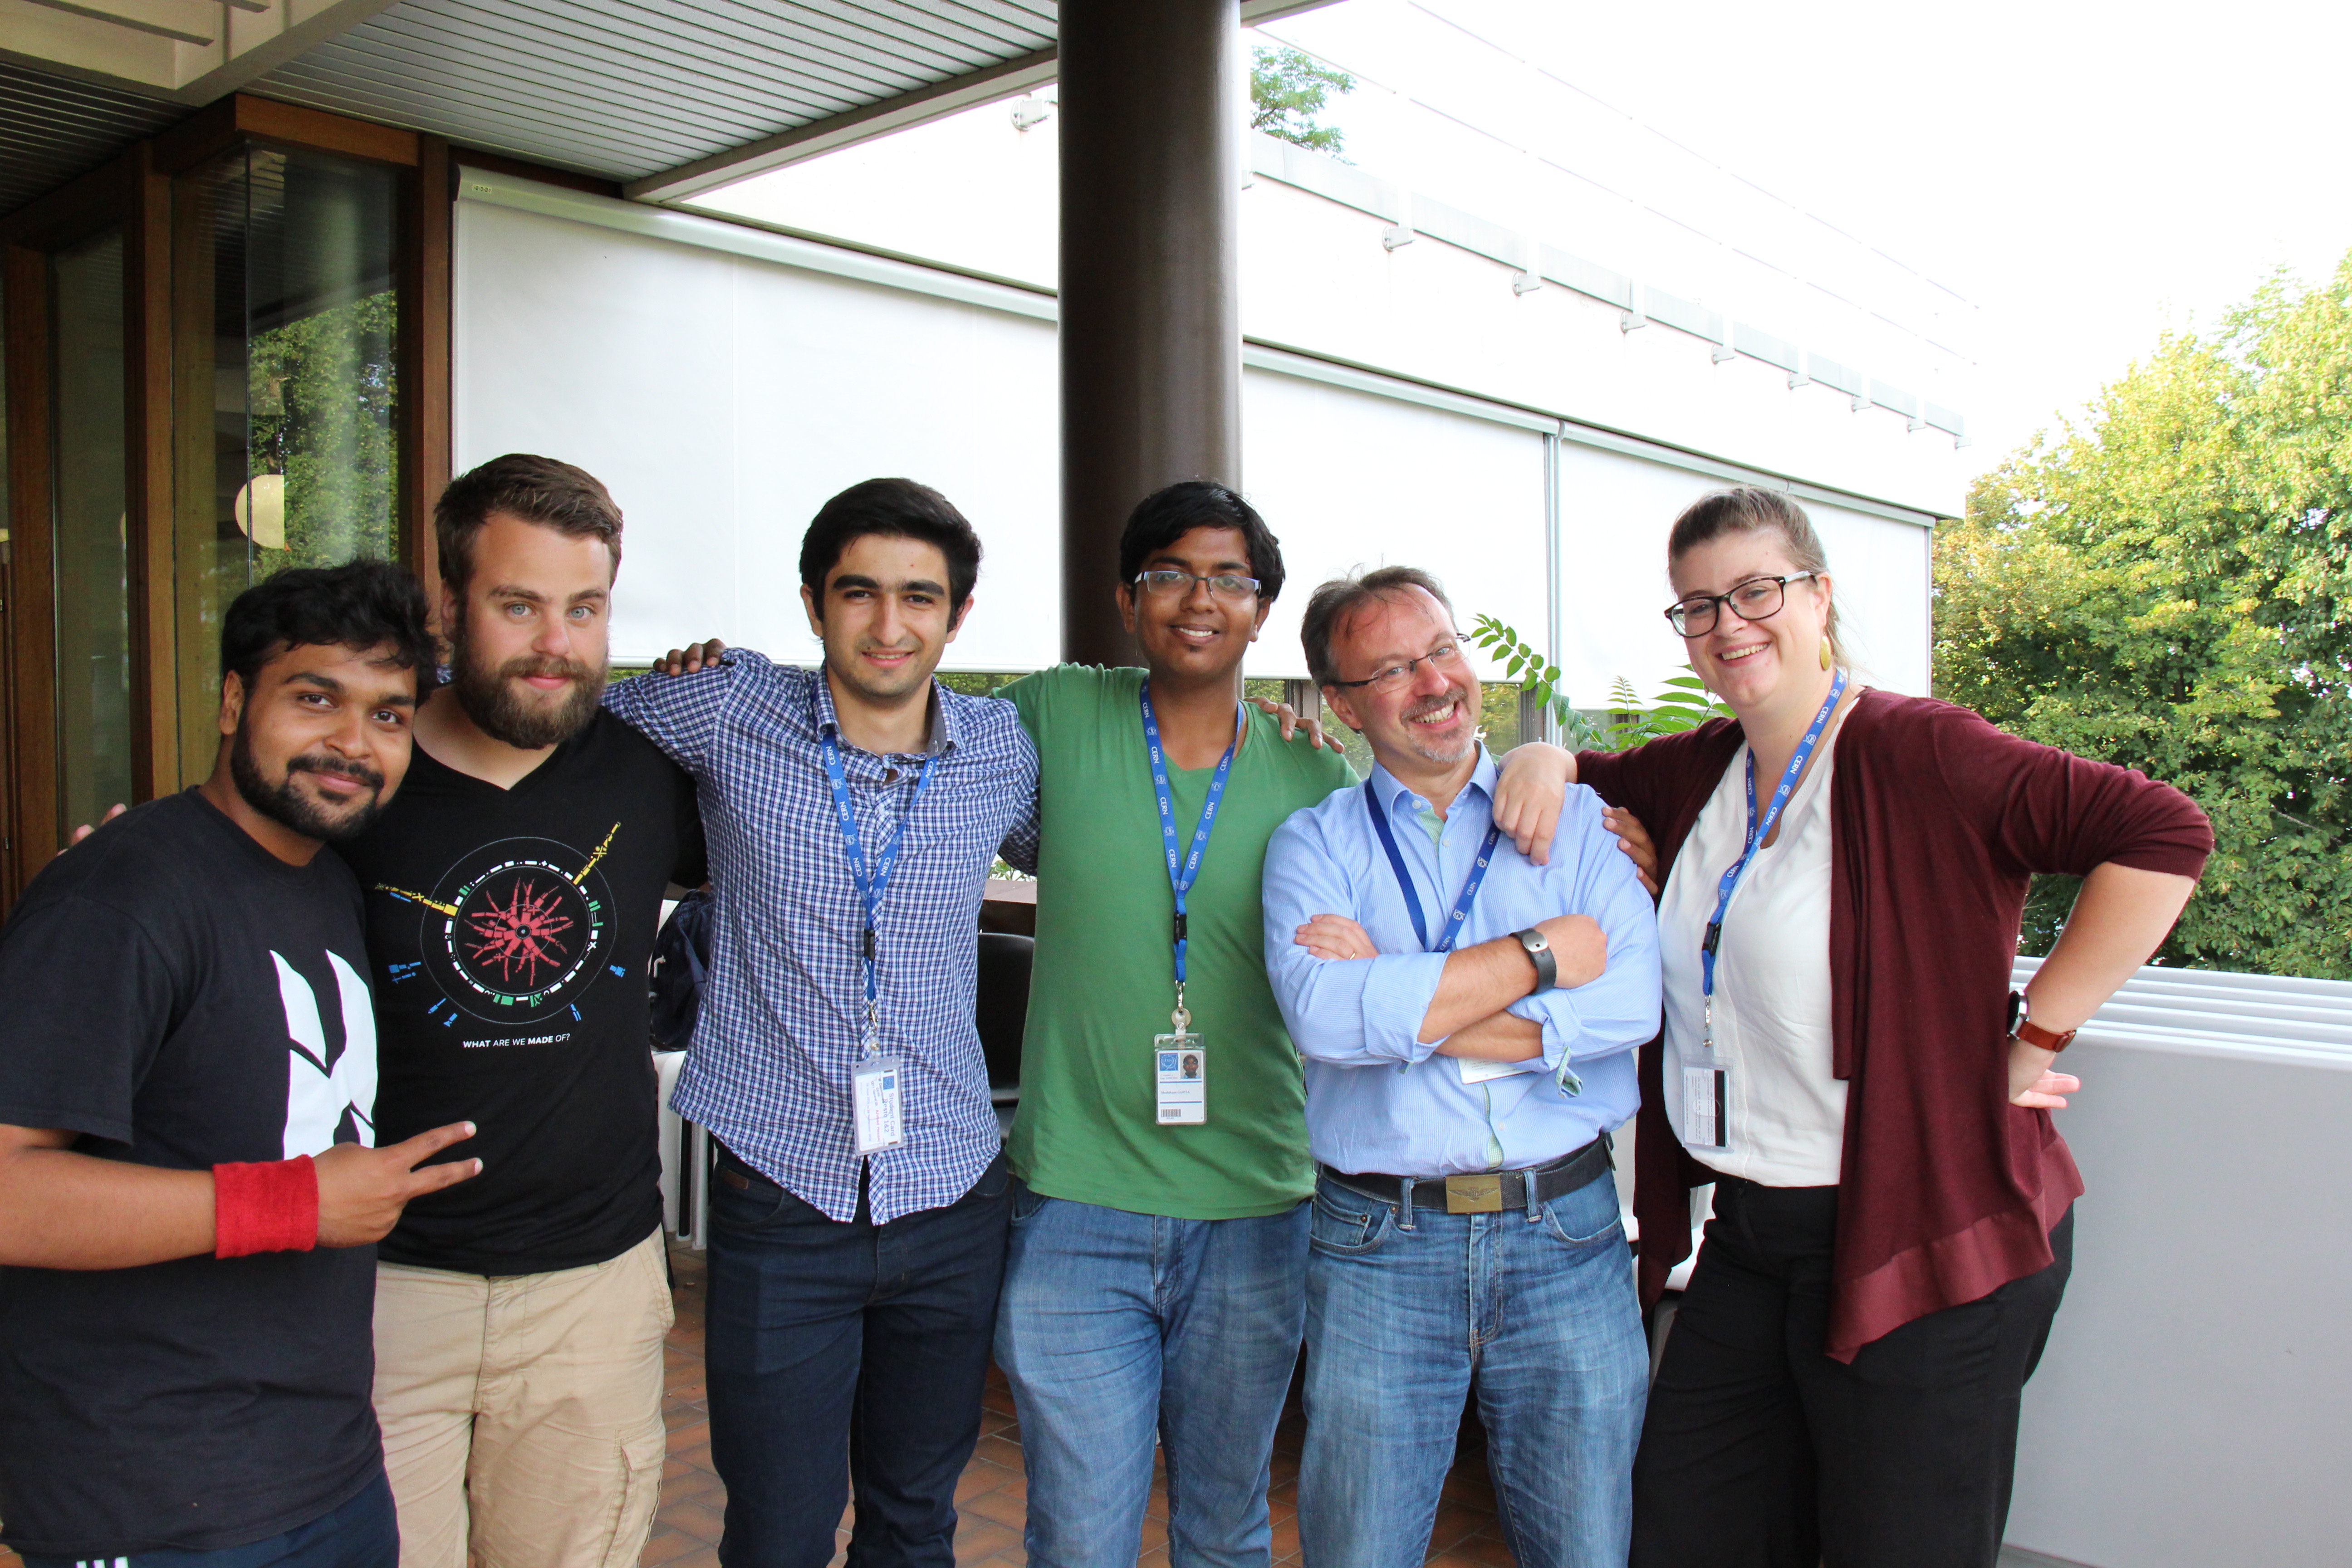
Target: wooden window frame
(134, 191)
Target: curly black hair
(362, 605)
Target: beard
(503, 714)
(289, 808)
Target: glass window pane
(284, 295)
(89, 530)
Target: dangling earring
(1825, 653)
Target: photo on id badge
(1182, 1068)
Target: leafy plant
(1683, 705)
(1288, 88)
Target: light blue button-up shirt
(1378, 1099)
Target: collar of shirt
(1477, 794)
(940, 736)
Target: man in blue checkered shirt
(857, 1224)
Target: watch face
(2019, 1011)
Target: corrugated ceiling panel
(627, 89)
(53, 129)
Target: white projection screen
(724, 398)
(1348, 479)
(724, 395)
(1615, 511)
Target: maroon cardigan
(1937, 822)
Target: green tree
(2170, 587)
(1288, 88)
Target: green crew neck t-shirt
(1104, 978)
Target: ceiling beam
(183, 51)
(937, 101)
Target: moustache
(358, 772)
(543, 664)
(1433, 705)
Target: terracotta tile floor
(992, 1496)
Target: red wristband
(265, 1208)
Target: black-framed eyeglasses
(1757, 599)
(1164, 581)
(1444, 658)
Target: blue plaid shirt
(784, 1008)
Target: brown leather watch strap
(2034, 1035)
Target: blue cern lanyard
(1469, 894)
(870, 888)
(1757, 831)
(1183, 871)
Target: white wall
(1614, 514)
(2191, 1409)
(725, 382)
(723, 399)
(1347, 479)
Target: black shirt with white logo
(177, 996)
(511, 930)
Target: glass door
(88, 522)
(287, 314)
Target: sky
(2044, 186)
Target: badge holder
(1180, 1069)
(1707, 1096)
(877, 1114)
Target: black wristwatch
(1539, 950)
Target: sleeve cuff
(1397, 995)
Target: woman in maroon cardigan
(1892, 1203)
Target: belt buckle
(1474, 1194)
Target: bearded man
(513, 892)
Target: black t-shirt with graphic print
(511, 930)
(176, 995)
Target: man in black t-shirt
(188, 1190)
(512, 896)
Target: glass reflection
(89, 531)
(288, 321)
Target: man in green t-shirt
(1156, 1285)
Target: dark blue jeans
(846, 1359)
(363, 1534)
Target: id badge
(874, 1091)
(1181, 1068)
(1707, 1107)
(1474, 1071)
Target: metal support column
(1150, 310)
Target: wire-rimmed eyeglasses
(1224, 584)
(1757, 599)
(1444, 658)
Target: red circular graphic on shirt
(518, 931)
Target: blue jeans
(363, 1533)
(1117, 1327)
(846, 1357)
(1533, 1310)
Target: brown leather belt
(1484, 1192)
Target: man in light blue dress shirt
(1468, 1019)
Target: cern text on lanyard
(876, 1119)
(1706, 1083)
(1470, 1071)
(1180, 1060)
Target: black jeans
(1760, 1451)
(847, 1355)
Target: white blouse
(1784, 1110)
